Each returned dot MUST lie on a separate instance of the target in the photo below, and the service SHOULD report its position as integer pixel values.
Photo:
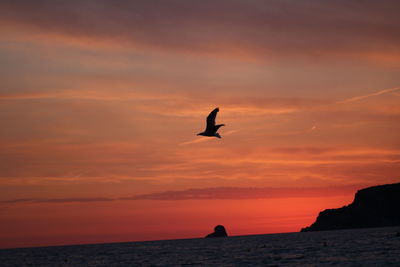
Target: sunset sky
(101, 101)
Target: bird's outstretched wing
(211, 118)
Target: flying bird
(211, 128)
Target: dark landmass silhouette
(219, 231)
(376, 206)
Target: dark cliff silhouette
(219, 231)
(376, 206)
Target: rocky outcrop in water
(219, 231)
(376, 206)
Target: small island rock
(219, 231)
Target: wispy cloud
(196, 141)
(376, 93)
(57, 200)
(205, 139)
(95, 94)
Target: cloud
(213, 193)
(195, 141)
(237, 28)
(248, 193)
(51, 163)
(183, 104)
(98, 94)
(311, 150)
(205, 139)
(376, 93)
(57, 200)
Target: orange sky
(101, 101)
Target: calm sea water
(360, 247)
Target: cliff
(376, 206)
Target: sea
(356, 247)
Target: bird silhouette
(211, 128)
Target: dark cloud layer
(215, 193)
(248, 193)
(211, 26)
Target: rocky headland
(376, 206)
